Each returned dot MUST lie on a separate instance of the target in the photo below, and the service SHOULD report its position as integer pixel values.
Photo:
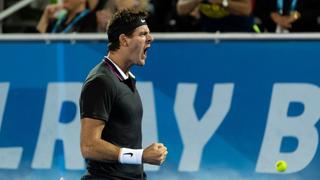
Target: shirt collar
(123, 75)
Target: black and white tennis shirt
(108, 95)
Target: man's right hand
(155, 154)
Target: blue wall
(226, 110)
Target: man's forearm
(100, 150)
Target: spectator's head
(72, 5)
(124, 22)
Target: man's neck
(119, 62)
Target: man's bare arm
(92, 146)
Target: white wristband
(130, 156)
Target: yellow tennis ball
(281, 166)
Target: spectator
(165, 18)
(70, 16)
(219, 15)
(111, 6)
(289, 15)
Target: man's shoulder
(100, 74)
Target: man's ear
(123, 40)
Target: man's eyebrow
(143, 33)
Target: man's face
(138, 44)
(71, 4)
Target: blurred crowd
(88, 16)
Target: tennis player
(111, 108)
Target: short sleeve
(97, 98)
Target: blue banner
(226, 110)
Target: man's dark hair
(124, 22)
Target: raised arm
(47, 16)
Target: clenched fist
(155, 154)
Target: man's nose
(149, 38)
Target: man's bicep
(91, 129)
(92, 146)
